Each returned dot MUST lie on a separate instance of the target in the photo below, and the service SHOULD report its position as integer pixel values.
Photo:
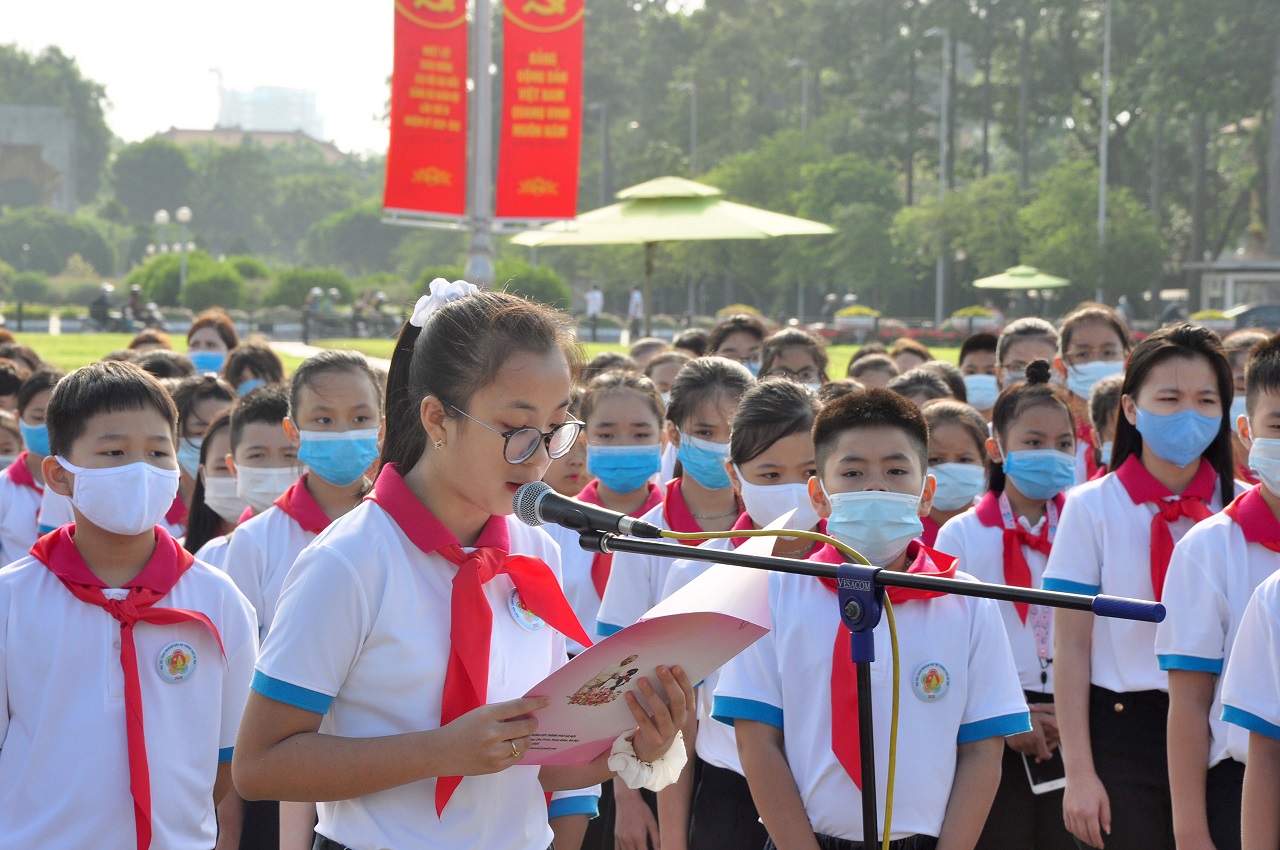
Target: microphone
(536, 503)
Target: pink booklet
(699, 627)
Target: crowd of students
(246, 611)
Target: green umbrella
(668, 209)
(1021, 277)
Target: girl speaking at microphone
(390, 687)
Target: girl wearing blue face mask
(209, 338)
(957, 462)
(704, 398)
(1093, 344)
(739, 337)
(771, 459)
(1172, 468)
(1006, 539)
(200, 399)
(22, 482)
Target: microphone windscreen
(525, 502)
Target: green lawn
(68, 351)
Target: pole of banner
(479, 268)
(861, 597)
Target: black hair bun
(1038, 372)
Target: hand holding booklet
(699, 627)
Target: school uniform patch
(931, 681)
(522, 614)
(177, 662)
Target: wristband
(654, 775)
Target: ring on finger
(515, 753)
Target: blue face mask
(982, 391)
(189, 456)
(1040, 473)
(1081, 378)
(249, 386)
(339, 457)
(624, 469)
(958, 484)
(207, 361)
(35, 438)
(754, 368)
(1237, 410)
(703, 461)
(1177, 438)
(876, 524)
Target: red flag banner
(541, 109)
(427, 159)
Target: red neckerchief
(177, 514)
(844, 679)
(1100, 472)
(20, 475)
(1017, 573)
(466, 678)
(302, 507)
(675, 510)
(1245, 474)
(931, 528)
(1142, 487)
(57, 551)
(1084, 434)
(1254, 516)
(602, 563)
(743, 523)
(245, 516)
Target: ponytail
(402, 443)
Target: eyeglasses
(807, 375)
(521, 443)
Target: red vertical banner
(541, 109)
(427, 159)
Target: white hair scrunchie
(442, 292)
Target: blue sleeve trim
(560, 807)
(1252, 722)
(1192, 663)
(292, 695)
(994, 727)
(729, 709)
(1063, 586)
(225, 754)
(605, 629)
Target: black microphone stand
(861, 598)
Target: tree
(152, 175)
(43, 240)
(233, 193)
(214, 285)
(355, 240)
(291, 286)
(536, 283)
(51, 78)
(302, 200)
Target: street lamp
(944, 127)
(803, 65)
(692, 89)
(603, 109)
(183, 216)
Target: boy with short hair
(978, 365)
(107, 622)
(792, 698)
(1212, 575)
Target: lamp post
(692, 89)
(1104, 132)
(803, 65)
(944, 127)
(183, 216)
(479, 267)
(603, 109)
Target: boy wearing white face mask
(771, 460)
(791, 696)
(1213, 572)
(132, 624)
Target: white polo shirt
(1110, 552)
(214, 553)
(64, 765)
(784, 680)
(264, 548)
(635, 581)
(1212, 575)
(980, 548)
(362, 637)
(1251, 685)
(56, 511)
(19, 507)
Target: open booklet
(699, 627)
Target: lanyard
(1039, 617)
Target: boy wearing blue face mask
(1212, 575)
(22, 482)
(109, 622)
(978, 365)
(792, 698)
(1006, 539)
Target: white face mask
(767, 502)
(221, 495)
(127, 500)
(1264, 459)
(877, 524)
(261, 487)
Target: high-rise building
(271, 108)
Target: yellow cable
(856, 557)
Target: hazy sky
(154, 57)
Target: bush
(976, 311)
(31, 287)
(51, 239)
(215, 286)
(536, 283)
(249, 268)
(30, 312)
(736, 309)
(1207, 315)
(291, 286)
(857, 310)
(161, 280)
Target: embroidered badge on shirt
(931, 681)
(521, 613)
(177, 662)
